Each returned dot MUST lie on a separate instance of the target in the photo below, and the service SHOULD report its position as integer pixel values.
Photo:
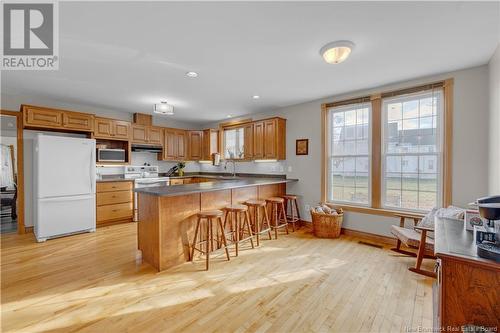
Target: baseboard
(366, 235)
(27, 230)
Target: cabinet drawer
(109, 198)
(177, 181)
(114, 212)
(114, 186)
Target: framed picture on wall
(302, 147)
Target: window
(390, 151)
(349, 153)
(234, 142)
(412, 150)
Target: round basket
(325, 225)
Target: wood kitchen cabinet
(248, 141)
(111, 129)
(53, 119)
(146, 134)
(174, 144)
(195, 145)
(270, 139)
(115, 202)
(210, 144)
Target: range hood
(146, 148)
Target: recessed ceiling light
(255, 96)
(336, 52)
(229, 116)
(164, 108)
(192, 74)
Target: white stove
(144, 176)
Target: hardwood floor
(92, 283)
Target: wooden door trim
(20, 168)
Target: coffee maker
(488, 236)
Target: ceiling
(126, 56)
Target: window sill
(376, 211)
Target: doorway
(11, 173)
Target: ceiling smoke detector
(164, 108)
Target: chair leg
(292, 211)
(274, 209)
(297, 208)
(224, 240)
(284, 217)
(207, 242)
(237, 221)
(420, 257)
(247, 219)
(257, 225)
(194, 240)
(268, 222)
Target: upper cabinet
(146, 134)
(195, 141)
(263, 139)
(111, 129)
(210, 144)
(47, 118)
(174, 145)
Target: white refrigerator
(64, 186)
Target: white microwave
(110, 155)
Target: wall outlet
(289, 169)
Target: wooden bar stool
(239, 219)
(277, 211)
(260, 225)
(208, 216)
(294, 215)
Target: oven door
(111, 155)
(141, 183)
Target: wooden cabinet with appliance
(115, 202)
(210, 144)
(174, 145)
(107, 128)
(143, 134)
(36, 117)
(467, 290)
(195, 145)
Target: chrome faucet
(234, 166)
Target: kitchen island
(167, 214)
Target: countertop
(222, 183)
(220, 176)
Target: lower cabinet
(115, 202)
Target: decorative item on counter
(302, 147)
(472, 218)
(327, 221)
(215, 159)
(180, 170)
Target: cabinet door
(248, 142)
(139, 134)
(103, 127)
(78, 121)
(270, 130)
(154, 135)
(42, 117)
(258, 140)
(121, 129)
(170, 146)
(181, 145)
(195, 144)
(210, 144)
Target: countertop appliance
(144, 176)
(110, 155)
(488, 236)
(64, 186)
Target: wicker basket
(325, 225)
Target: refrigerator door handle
(70, 198)
(91, 169)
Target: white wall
(470, 145)
(494, 139)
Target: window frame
(330, 155)
(375, 98)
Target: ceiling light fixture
(229, 116)
(164, 108)
(192, 74)
(336, 52)
(255, 96)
